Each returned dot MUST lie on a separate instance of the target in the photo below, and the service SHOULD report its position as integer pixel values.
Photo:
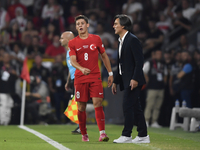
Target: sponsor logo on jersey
(93, 47)
(85, 46)
(78, 49)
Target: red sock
(82, 122)
(100, 118)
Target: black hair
(125, 21)
(81, 17)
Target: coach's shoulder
(133, 37)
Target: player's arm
(75, 64)
(106, 62)
(67, 84)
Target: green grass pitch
(14, 138)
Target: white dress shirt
(120, 49)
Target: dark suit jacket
(131, 62)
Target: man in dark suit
(130, 77)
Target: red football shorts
(85, 91)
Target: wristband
(110, 73)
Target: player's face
(81, 26)
(63, 40)
(117, 26)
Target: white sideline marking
(149, 146)
(45, 138)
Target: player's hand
(85, 71)
(110, 80)
(133, 84)
(67, 87)
(114, 88)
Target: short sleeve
(187, 68)
(165, 71)
(72, 50)
(100, 45)
(146, 67)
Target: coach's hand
(85, 71)
(110, 81)
(114, 88)
(133, 84)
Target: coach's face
(81, 26)
(117, 26)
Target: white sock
(102, 131)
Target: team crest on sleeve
(102, 45)
(93, 47)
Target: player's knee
(81, 107)
(97, 104)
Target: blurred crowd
(32, 29)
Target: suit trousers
(133, 113)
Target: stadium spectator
(168, 102)
(17, 57)
(103, 34)
(39, 69)
(52, 13)
(58, 78)
(55, 49)
(8, 78)
(155, 75)
(174, 82)
(29, 6)
(185, 45)
(51, 32)
(43, 38)
(27, 44)
(132, 6)
(163, 24)
(139, 32)
(105, 18)
(93, 23)
(14, 34)
(188, 11)
(37, 100)
(49, 10)
(20, 19)
(13, 6)
(4, 19)
(154, 37)
(170, 9)
(35, 48)
(186, 76)
(30, 30)
(73, 13)
(181, 25)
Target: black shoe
(76, 131)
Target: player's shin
(82, 121)
(100, 118)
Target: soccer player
(84, 50)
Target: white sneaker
(123, 139)
(155, 125)
(138, 139)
